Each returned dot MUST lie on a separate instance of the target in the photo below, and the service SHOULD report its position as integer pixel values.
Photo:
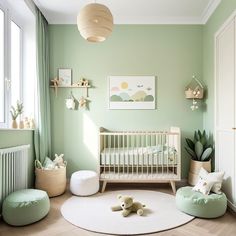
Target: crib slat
(109, 163)
(167, 161)
(128, 155)
(118, 155)
(157, 139)
(142, 154)
(105, 156)
(123, 153)
(162, 145)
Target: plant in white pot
(19, 109)
(200, 152)
(14, 115)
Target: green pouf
(200, 205)
(26, 206)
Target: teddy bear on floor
(127, 205)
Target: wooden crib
(140, 156)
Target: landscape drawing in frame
(132, 92)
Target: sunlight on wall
(90, 135)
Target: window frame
(8, 17)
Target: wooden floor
(54, 223)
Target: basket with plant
(200, 150)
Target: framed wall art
(132, 92)
(65, 77)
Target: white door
(225, 108)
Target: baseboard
(231, 206)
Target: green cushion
(26, 206)
(200, 205)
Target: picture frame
(65, 77)
(131, 92)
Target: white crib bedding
(151, 155)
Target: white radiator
(13, 170)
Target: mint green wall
(172, 53)
(224, 10)
(11, 138)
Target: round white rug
(93, 213)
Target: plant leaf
(204, 133)
(206, 154)
(203, 141)
(190, 143)
(196, 137)
(198, 149)
(199, 134)
(191, 153)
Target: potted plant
(19, 109)
(14, 115)
(200, 152)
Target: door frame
(216, 35)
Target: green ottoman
(26, 206)
(200, 205)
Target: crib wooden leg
(172, 183)
(104, 186)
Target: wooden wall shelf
(52, 86)
(72, 86)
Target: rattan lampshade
(95, 22)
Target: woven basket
(194, 170)
(51, 181)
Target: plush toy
(59, 161)
(127, 205)
(82, 102)
(55, 82)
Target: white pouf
(84, 183)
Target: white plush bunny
(59, 161)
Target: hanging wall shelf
(82, 83)
(194, 90)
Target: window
(2, 84)
(10, 65)
(17, 51)
(15, 63)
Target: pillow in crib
(216, 177)
(153, 149)
(203, 186)
(170, 149)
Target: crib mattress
(138, 156)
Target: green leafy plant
(19, 107)
(199, 148)
(14, 113)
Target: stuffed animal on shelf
(55, 82)
(127, 205)
(83, 82)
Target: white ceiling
(134, 11)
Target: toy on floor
(127, 205)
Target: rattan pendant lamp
(95, 22)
